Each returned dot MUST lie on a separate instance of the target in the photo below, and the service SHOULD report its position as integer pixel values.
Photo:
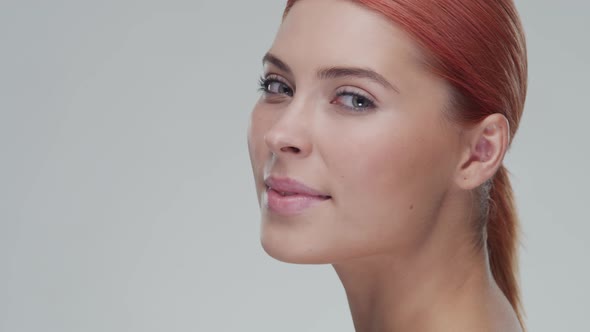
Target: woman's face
(349, 110)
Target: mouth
(296, 194)
(288, 197)
(289, 204)
(290, 187)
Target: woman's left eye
(354, 101)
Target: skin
(399, 227)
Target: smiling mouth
(289, 194)
(290, 204)
(291, 187)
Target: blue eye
(354, 101)
(274, 86)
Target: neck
(443, 284)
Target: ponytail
(479, 47)
(502, 239)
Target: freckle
(411, 206)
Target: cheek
(393, 160)
(388, 183)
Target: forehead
(342, 33)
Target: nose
(290, 134)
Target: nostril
(290, 148)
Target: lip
(292, 186)
(301, 197)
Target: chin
(290, 250)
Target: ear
(485, 145)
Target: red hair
(479, 47)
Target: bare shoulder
(470, 321)
(499, 316)
(495, 314)
(485, 324)
(507, 322)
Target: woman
(377, 146)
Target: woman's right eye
(274, 86)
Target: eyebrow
(334, 72)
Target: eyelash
(264, 82)
(350, 93)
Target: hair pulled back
(479, 47)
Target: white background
(126, 195)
